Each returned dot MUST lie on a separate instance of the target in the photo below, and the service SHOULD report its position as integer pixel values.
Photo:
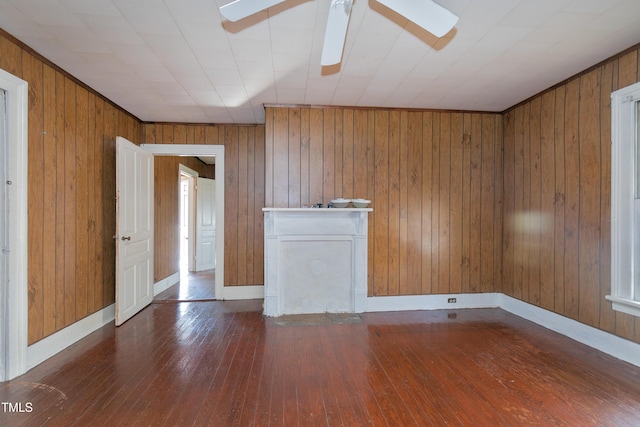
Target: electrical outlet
(451, 300)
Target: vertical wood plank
(435, 203)
(231, 166)
(547, 175)
(180, 134)
(59, 317)
(403, 209)
(466, 201)
(316, 160)
(328, 157)
(338, 167)
(589, 190)
(108, 188)
(393, 185)
(444, 224)
(305, 166)
(281, 158)
(294, 139)
(534, 220)
(381, 219)
(369, 130)
(81, 218)
(498, 202)
(70, 201)
(259, 195)
(91, 205)
(269, 183)
(427, 205)
(455, 210)
(415, 201)
(243, 208)
(526, 202)
(572, 218)
(33, 73)
(560, 200)
(475, 205)
(250, 259)
(200, 136)
(49, 224)
(361, 155)
(212, 133)
(100, 233)
(508, 237)
(607, 315)
(348, 154)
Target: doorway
(204, 151)
(196, 277)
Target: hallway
(193, 286)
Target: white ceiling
(175, 60)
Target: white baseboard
(242, 292)
(49, 346)
(165, 283)
(432, 302)
(613, 345)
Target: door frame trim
(194, 150)
(14, 313)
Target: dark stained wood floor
(200, 286)
(223, 364)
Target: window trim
(624, 246)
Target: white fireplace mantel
(315, 260)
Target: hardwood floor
(224, 364)
(200, 286)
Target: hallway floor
(199, 286)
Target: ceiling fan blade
(239, 9)
(336, 32)
(425, 13)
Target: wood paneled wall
(434, 179)
(557, 197)
(167, 210)
(244, 192)
(71, 196)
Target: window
(625, 200)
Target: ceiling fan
(425, 13)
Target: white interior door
(134, 229)
(206, 224)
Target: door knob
(125, 238)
